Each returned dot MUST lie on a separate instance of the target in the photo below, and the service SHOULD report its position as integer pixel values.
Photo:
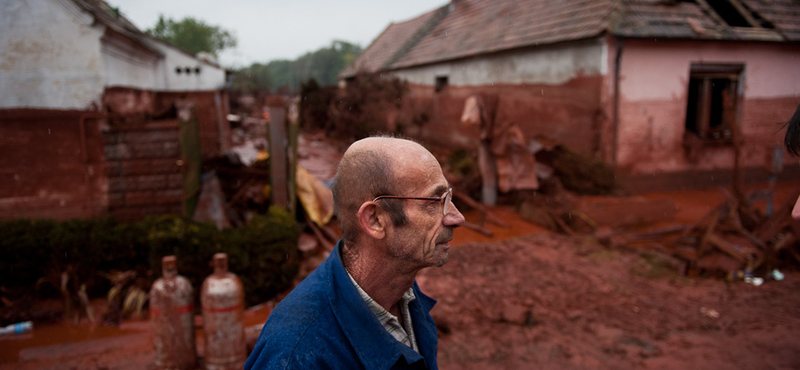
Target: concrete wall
(552, 65)
(50, 56)
(653, 98)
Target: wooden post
(278, 146)
(294, 133)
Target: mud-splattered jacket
(324, 324)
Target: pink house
(660, 89)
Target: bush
(36, 252)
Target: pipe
(617, 68)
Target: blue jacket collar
(376, 348)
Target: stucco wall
(50, 56)
(553, 65)
(653, 97)
(129, 65)
(208, 78)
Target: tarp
(316, 198)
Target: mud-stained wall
(211, 109)
(653, 102)
(570, 113)
(136, 107)
(51, 56)
(51, 167)
(144, 169)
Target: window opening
(441, 83)
(712, 101)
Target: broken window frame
(713, 103)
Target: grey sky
(269, 29)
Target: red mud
(526, 298)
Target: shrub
(263, 253)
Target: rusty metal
(222, 299)
(171, 307)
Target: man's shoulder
(302, 331)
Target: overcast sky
(286, 29)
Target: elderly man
(361, 309)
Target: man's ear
(372, 220)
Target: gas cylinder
(222, 299)
(171, 307)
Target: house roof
(111, 18)
(114, 20)
(465, 28)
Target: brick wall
(51, 164)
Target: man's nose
(453, 217)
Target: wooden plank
(701, 248)
(726, 247)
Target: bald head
(369, 168)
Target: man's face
(424, 240)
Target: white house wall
(50, 56)
(127, 67)
(552, 66)
(208, 78)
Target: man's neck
(384, 281)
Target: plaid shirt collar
(390, 322)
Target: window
(712, 101)
(441, 83)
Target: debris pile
(734, 239)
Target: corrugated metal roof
(465, 28)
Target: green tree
(193, 35)
(322, 65)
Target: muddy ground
(552, 302)
(526, 298)
(537, 300)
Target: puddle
(61, 333)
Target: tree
(193, 35)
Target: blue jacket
(324, 324)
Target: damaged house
(89, 113)
(672, 93)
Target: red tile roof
(465, 28)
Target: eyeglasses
(445, 199)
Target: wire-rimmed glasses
(445, 199)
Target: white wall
(127, 66)
(209, 78)
(50, 56)
(546, 65)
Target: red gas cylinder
(171, 306)
(222, 298)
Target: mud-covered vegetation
(355, 112)
(49, 259)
